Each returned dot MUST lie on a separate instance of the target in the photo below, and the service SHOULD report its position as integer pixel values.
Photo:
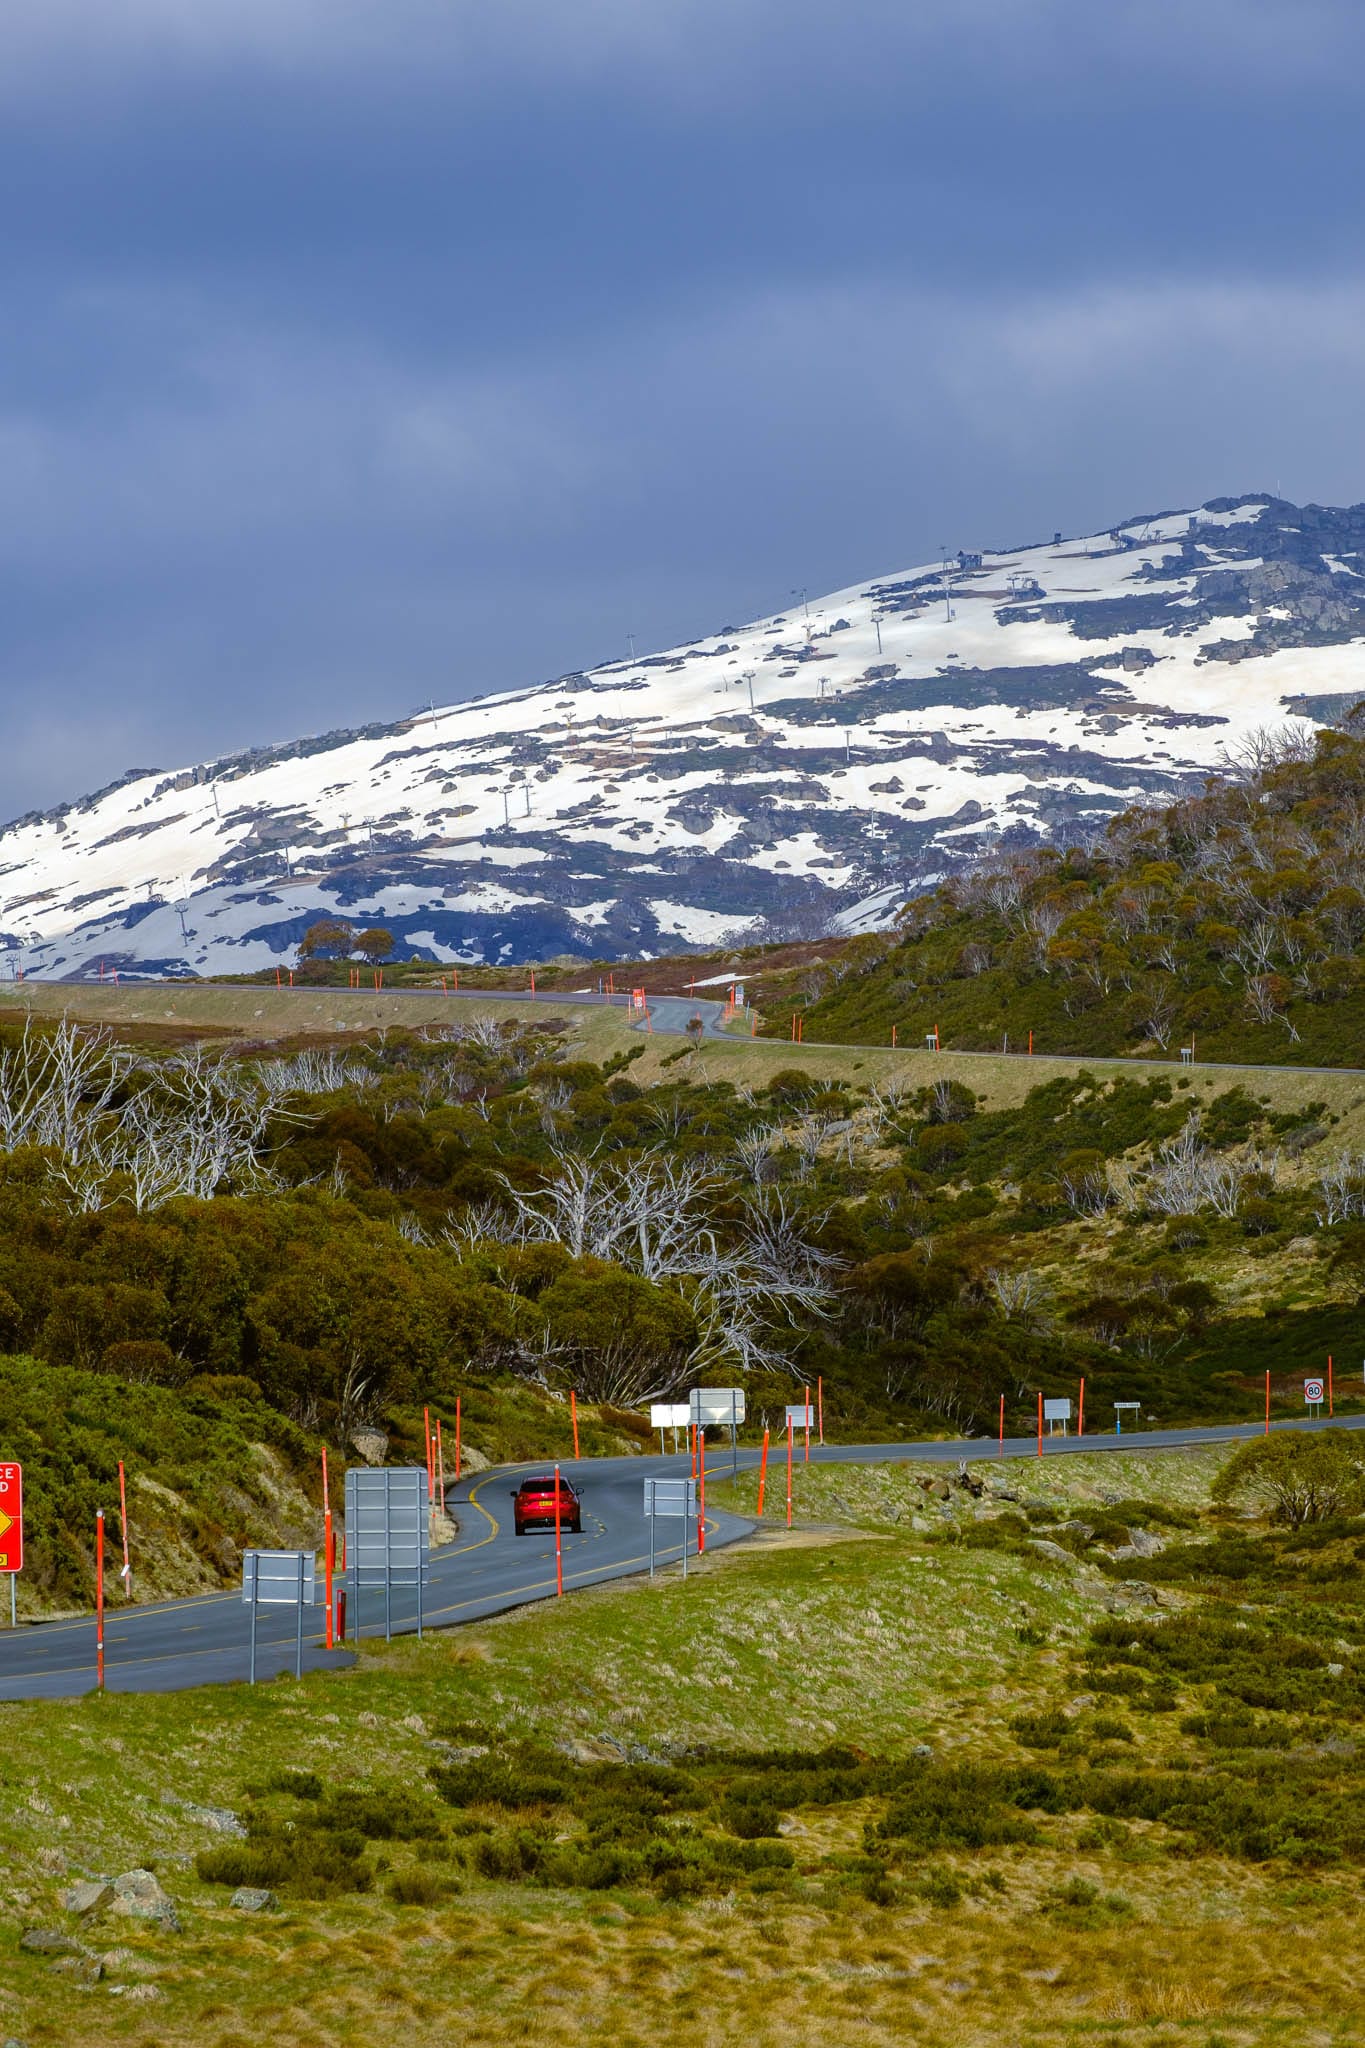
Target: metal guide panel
(388, 1524)
(277, 1577)
(671, 1497)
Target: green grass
(863, 1634)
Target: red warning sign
(11, 1518)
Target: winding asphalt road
(175, 1644)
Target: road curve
(669, 1015)
(172, 1645)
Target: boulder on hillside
(138, 1893)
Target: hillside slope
(783, 779)
(1232, 923)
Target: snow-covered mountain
(771, 780)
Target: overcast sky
(354, 352)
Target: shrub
(419, 1887)
(1301, 1478)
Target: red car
(533, 1505)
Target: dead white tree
(1341, 1191)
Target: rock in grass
(49, 1941)
(220, 1820)
(86, 1898)
(1053, 1552)
(1141, 1543)
(138, 1893)
(83, 1970)
(248, 1899)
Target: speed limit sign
(1313, 1393)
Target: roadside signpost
(279, 1578)
(1122, 1408)
(12, 1532)
(670, 1497)
(1313, 1392)
(1055, 1412)
(722, 1408)
(674, 1415)
(388, 1535)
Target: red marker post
(1040, 1422)
(559, 1546)
(127, 1573)
(431, 1463)
(329, 1634)
(789, 1471)
(701, 1490)
(762, 1474)
(1080, 1409)
(99, 1598)
(440, 1468)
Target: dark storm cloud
(353, 355)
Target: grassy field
(862, 1629)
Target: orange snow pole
(789, 1470)
(573, 1417)
(893, 1038)
(127, 1573)
(99, 1598)
(559, 1546)
(431, 1468)
(762, 1474)
(701, 1491)
(440, 1466)
(692, 1445)
(793, 1027)
(326, 1547)
(1080, 1410)
(1030, 1044)
(1040, 1422)
(278, 982)
(328, 1637)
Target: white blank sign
(669, 1415)
(710, 1405)
(1057, 1411)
